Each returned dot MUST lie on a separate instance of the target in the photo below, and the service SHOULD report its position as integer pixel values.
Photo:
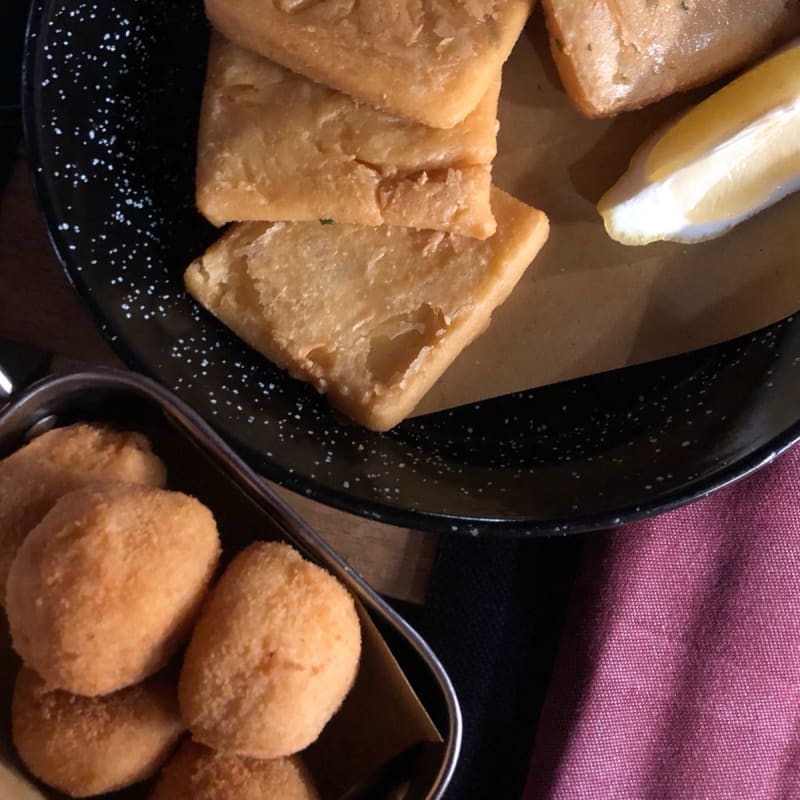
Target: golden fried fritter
(197, 773)
(272, 656)
(106, 587)
(617, 55)
(35, 476)
(90, 745)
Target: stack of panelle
(352, 144)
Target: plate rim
(271, 469)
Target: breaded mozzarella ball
(197, 773)
(85, 746)
(273, 655)
(59, 461)
(106, 587)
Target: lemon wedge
(728, 158)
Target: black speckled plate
(112, 97)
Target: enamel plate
(111, 105)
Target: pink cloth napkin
(678, 676)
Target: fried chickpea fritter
(106, 587)
(63, 459)
(85, 746)
(197, 773)
(273, 654)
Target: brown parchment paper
(380, 718)
(588, 304)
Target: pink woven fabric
(678, 676)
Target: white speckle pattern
(117, 97)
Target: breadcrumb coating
(104, 590)
(90, 745)
(272, 657)
(59, 461)
(197, 773)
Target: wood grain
(38, 307)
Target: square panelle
(276, 146)
(617, 55)
(428, 61)
(372, 316)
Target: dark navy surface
(112, 99)
(11, 38)
(494, 614)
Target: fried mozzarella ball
(106, 587)
(273, 655)
(197, 773)
(63, 459)
(85, 746)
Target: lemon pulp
(752, 181)
(772, 84)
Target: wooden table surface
(38, 307)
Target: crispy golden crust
(274, 145)
(36, 475)
(431, 62)
(197, 773)
(106, 587)
(617, 55)
(371, 316)
(91, 745)
(273, 655)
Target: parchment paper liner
(588, 304)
